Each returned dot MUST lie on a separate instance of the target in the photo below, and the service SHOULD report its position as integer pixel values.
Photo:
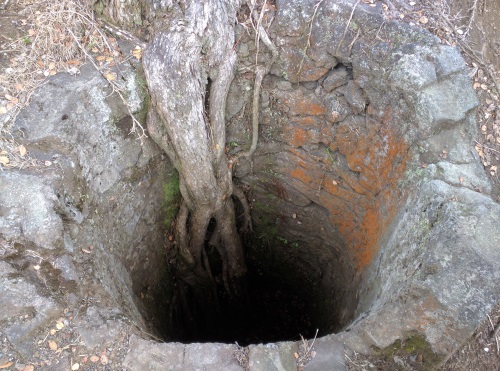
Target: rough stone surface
(150, 355)
(329, 355)
(442, 283)
(272, 357)
(363, 184)
(80, 229)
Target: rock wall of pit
(85, 229)
(365, 193)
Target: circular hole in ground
(294, 286)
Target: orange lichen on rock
(308, 105)
(363, 199)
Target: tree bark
(189, 66)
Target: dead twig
(485, 147)
(307, 348)
(347, 27)
(308, 43)
(466, 48)
(471, 20)
(260, 72)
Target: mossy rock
(413, 352)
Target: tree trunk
(189, 66)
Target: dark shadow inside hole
(272, 311)
(285, 298)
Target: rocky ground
(471, 25)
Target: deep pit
(371, 215)
(288, 294)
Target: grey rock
(413, 71)
(336, 78)
(448, 61)
(465, 175)
(329, 355)
(23, 310)
(444, 105)
(210, 357)
(448, 271)
(355, 97)
(272, 357)
(27, 207)
(152, 356)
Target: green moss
(99, 7)
(413, 351)
(171, 198)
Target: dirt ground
(472, 25)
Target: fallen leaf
(53, 331)
(75, 366)
(104, 360)
(110, 76)
(29, 368)
(52, 345)
(8, 364)
(22, 150)
(334, 182)
(94, 359)
(86, 251)
(296, 355)
(423, 19)
(137, 52)
(59, 325)
(4, 160)
(100, 58)
(9, 97)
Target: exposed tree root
(260, 72)
(188, 123)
